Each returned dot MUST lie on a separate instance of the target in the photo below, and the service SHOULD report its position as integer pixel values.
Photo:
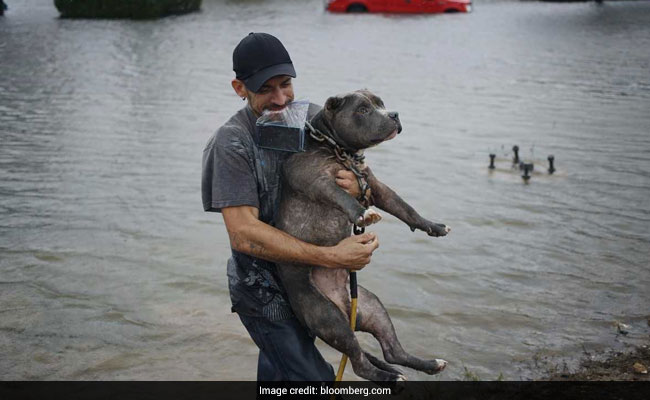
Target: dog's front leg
(386, 199)
(322, 187)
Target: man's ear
(240, 88)
(334, 103)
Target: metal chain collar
(351, 161)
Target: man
(242, 181)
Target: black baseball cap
(258, 58)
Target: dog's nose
(394, 115)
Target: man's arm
(251, 236)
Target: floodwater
(109, 268)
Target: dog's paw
(369, 217)
(437, 367)
(436, 230)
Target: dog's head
(359, 120)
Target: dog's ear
(334, 103)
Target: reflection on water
(109, 269)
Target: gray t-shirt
(235, 173)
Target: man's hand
(251, 236)
(353, 252)
(348, 182)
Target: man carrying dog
(242, 181)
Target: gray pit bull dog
(316, 210)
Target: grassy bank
(613, 366)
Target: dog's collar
(352, 161)
(326, 137)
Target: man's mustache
(277, 108)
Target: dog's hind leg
(327, 322)
(382, 364)
(374, 319)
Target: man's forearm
(266, 242)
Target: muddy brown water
(109, 269)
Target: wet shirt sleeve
(228, 177)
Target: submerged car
(399, 6)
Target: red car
(399, 6)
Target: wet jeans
(287, 351)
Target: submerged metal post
(492, 161)
(527, 167)
(551, 168)
(515, 160)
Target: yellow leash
(353, 313)
(353, 322)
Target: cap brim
(255, 82)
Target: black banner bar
(112, 390)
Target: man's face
(274, 95)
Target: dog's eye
(363, 110)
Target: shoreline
(612, 365)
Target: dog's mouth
(389, 137)
(397, 131)
(392, 135)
